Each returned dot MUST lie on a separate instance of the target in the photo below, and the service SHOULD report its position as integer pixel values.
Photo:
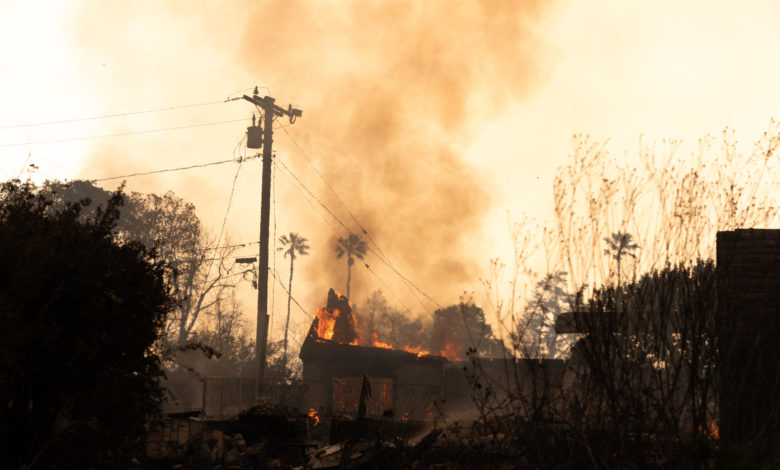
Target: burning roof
(338, 356)
(336, 328)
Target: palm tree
(354, 247)
(291, 244)
(619, 245)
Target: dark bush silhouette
(79, 315)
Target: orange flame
(712, 431)
(450, 352)
(326, 323)
(416, 350)
(324, 328)
(313, 414)
(379, 344)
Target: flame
(327, 318)
(379, 344)
(326, 323)
(416, 350)
(313, 414)
(712, 431)
(450, 352)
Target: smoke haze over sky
(429, 119)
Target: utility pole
(254, 140)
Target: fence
(226, 397)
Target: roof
(322, 350)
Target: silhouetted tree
(170, 225)
(226, 332)
(392, 326)
(649, 369)
(618, 245)
(80, 312)
(353, 247)
(291, 244)
(536, 331)
(459, 327)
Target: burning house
(403, 383)
(406, 383)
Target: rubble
(276, 437)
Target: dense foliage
(461, 327)
(639, 389)
(79, 315)
(170, 225)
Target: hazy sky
(429, 119)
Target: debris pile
(274, 437)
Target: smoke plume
(391, 92)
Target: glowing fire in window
(315, 416)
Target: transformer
(254, 137)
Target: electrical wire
(380, 253)
(243, 90)
(337, 233)
(273, 259)
(304, 195)
(322, 204)
(236, 245)
(281, 283)
(167, 170)
(122, 134)
(341, 201)
(412, 285)
(227, 211)
(392, 292)
(115, 115)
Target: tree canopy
(171, 226)
(80, 312)
(459, 327)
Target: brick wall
(748, 273)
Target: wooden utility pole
(270, 111)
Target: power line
(303, 193)
(236, 245)
(281, 283)
(406, 279)
(108, 116)
(380, 253)
(121, 134)
(322, 204)
(152, 172)
(273, 288)
(370, 249)
(349, 231)
(392, 292)
(227, 211)
(316, 170)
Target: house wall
(416, 382)
(748, 276)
